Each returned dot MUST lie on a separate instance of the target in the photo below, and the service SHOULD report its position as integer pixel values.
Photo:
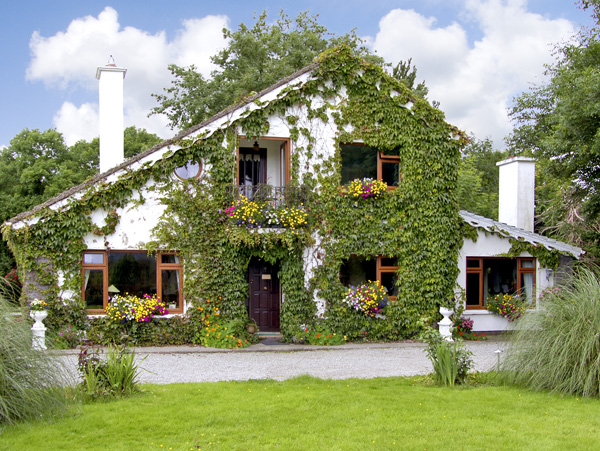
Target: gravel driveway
(195, 364)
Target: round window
(190, 170)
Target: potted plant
(38, 310)
(447, 307)
(251, 327)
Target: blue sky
(475, 55)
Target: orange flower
(219, 298)
(217, 314)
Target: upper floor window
(360, 161)
(488, 277)
(107, 273)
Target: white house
(272, 207)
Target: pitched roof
(99, 177)
(509, 231)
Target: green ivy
(418, 223)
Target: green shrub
(31, 382)
(451, 361)
(63, 314)
(114, 377)
(557, 347)
(66, 338)
(175, 330)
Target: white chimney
(517, 192)
(111, 114)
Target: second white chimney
(111, 114)
(516, 205)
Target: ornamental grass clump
(31, 382)
(451, 361)
(115, 376)
(557, 347)
(368, 298)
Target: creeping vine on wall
(417, 224)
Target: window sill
(480, 311)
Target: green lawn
(313, 414)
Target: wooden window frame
(284, 148)
(96, 266)
(104, 267)
(385, 269)
(160, 266)
(381, 158)
(479, 270)
(381, 269)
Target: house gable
(341, 99)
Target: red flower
(318, 335)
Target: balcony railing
(276, 195)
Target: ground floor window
(358, 270)
(487, 277)
(106, 273)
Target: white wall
(492, 245)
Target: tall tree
(558, 122)
(254, 59)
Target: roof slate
(506, 230)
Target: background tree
(478, 179)
(254, 59)
(558, 122)
(406, 72)
(38, 165)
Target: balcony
(275, 196)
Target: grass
(307, 414)
(30, 381)
(557, 347)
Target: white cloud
(69, 59)
(475, 82)
(77, 123)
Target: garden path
(165, 365)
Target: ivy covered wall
(342, 99)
